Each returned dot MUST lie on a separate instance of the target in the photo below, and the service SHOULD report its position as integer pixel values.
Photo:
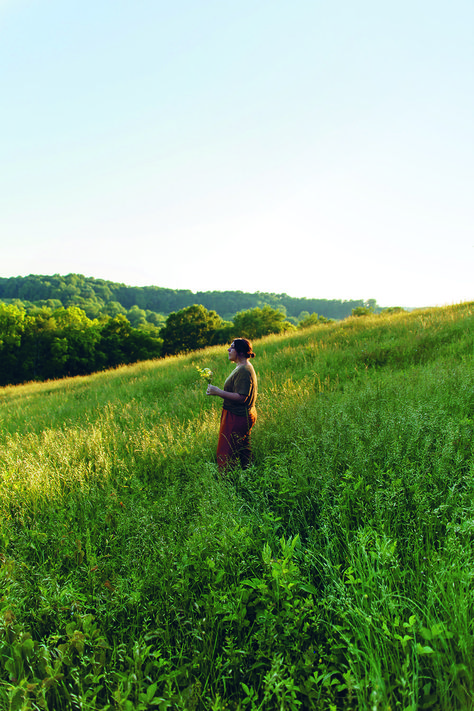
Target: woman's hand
(213, 390)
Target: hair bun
(244, 347)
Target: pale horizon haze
(310, 148)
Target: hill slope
(336, 571)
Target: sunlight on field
(334, 573)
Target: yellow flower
(205, 373)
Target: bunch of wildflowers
(205, 373)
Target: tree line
(152, 304)
(47, 343)
(43, 336)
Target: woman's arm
(224, 394)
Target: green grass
(335, 573)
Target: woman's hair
(243, 347)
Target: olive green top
(242, 380)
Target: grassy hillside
(335, 573)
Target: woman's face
(232, 353)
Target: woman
(238, 409)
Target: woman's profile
(238, 410)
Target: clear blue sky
(322, 149)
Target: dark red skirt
(234, 439)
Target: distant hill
(98, 296)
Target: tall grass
(336, 572)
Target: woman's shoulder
(248, 367)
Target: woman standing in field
(238, 409)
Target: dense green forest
(50, 344)
(53, 327)
(47, 343)
(153, 303)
